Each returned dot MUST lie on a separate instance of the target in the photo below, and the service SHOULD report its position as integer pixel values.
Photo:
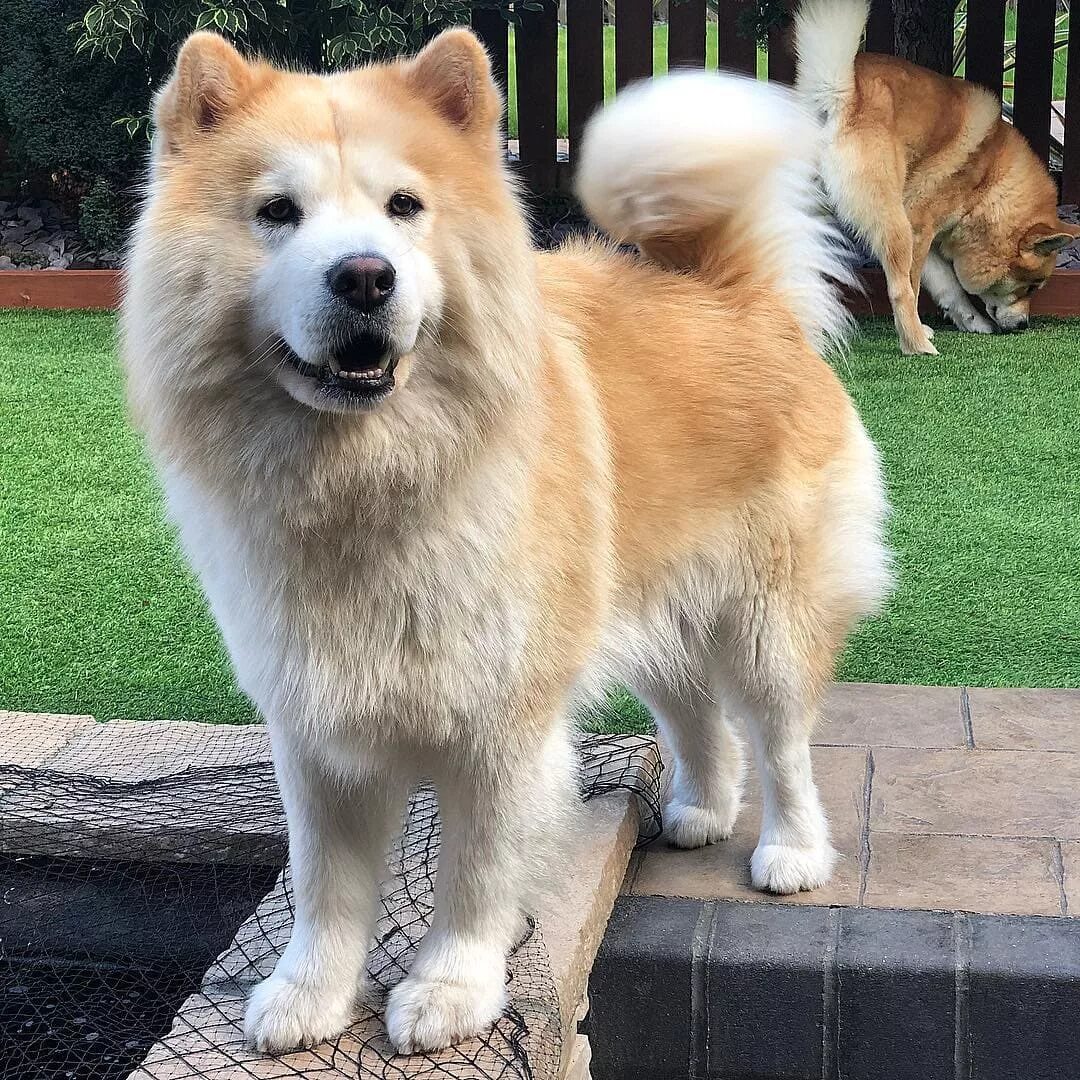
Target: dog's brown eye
(280, 210)
(403, 205)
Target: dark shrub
(59, 107)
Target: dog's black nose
(362, 281)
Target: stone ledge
(161, 791)
(150, 790)
(721, 988)
(548, 976)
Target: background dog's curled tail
(827, 38)
(715, 174)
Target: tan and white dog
(925, 171)
(438, 487)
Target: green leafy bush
(77, 77)
(103, 216)
(59, 105)
(320, 34)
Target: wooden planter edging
(59, 289)
(83, 289)
(1060, 297)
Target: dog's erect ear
(453, 74)
(1045, 240)
(209, 79)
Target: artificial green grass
(99, 616)
(98, 613)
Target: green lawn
(99, 616)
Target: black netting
(143, 891)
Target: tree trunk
(924, 32)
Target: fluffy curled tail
(715, 173)
(827, 37)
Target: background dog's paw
(978, 324)
(928, 331)
(430, 1014)
(283, 1015)
(778, 868)
(695, 826)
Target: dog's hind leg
(500, 806)
(706, 788)
(339, 833)
(768, 684)
(865, 180)
(943, 285)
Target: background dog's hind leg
(339, 833)
(502, 809)
(865, 180)
(942, 284)
(706, 788)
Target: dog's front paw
(283, 1015)
(428, 1014)
(974, 323)
(780, 868)
(695, 826)
(928, 331)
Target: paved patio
(939, 798)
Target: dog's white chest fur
(393, 636)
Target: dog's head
(1005, 268)
(330, 224)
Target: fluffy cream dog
(438, 487)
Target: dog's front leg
(339, 833)
(499, 811)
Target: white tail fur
(727, 165)
(827, 37)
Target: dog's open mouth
(360, 372)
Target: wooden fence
(536, 52)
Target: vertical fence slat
(536, 43)
(490, 27)
(686, 33)
(633, 40)
(737, 51)
(985, 40)
(584, 64)
(781, 55)
(1033, 76)
(880, 31)
(1070, 170)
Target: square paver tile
(866, 714)
(1026, 719)
(723, 870)
(976, 792)
(964, 873)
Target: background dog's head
(1005, 263)
(330, 227)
